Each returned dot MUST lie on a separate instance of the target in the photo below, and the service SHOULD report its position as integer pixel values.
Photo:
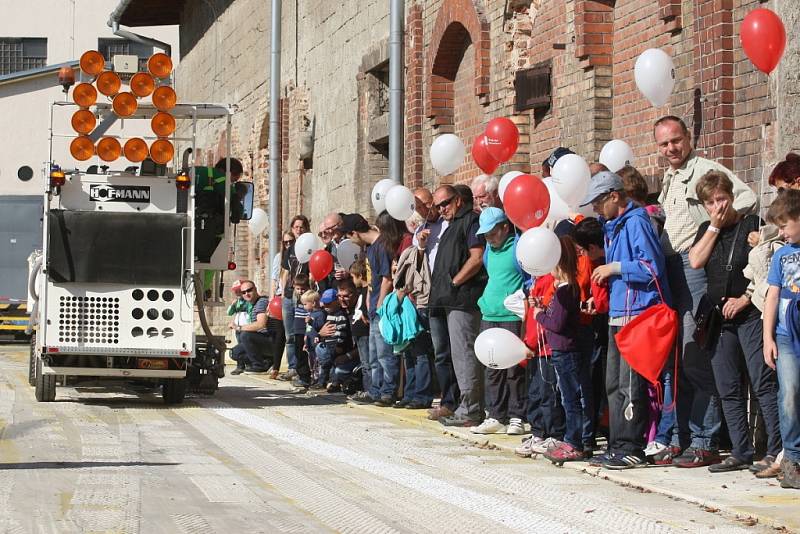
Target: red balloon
(320, 265)
(481, 156)
(502, 137)
(526, 201)
(276, 308)
(763, 39)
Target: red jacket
(535, 339)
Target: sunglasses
(248, 290)
(445, 202)
(288, 242)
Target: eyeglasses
(599, 201)
(446, 202)
(288, 242)
(248, 290)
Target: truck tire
(173, 390)
(32, 362)
(45, 384)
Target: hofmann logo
(119, 193)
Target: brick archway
(458, 24)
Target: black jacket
(451, 256)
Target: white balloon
(616, 154)
(400, 202)
(258, 221)
(654, 73)
(306, 245)
(379, 194)
(538, 251)
(498, 348)
(505, 180)
(558, 208)
(447, 154)
(347, 253)
(571, 177)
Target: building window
(18, 54)
(111, 47)
(533, 88)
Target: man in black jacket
(457, 283)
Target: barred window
(111, 47)
(21, 53)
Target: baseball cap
(353, 222)
(603, 182)
(555, 156)
(328, 296)
(489, 218)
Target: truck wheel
(45, 384)
(173, 390)
(32, 362)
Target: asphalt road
(256, 458)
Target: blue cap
(490, 217)
(602, 183)
(328, 296)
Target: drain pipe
(113, 22)
(274, 130)
(396, 64)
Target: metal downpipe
(396, 92)
(274, 130)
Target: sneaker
(402, 403)
(384, 402)
(288, 375)
(237, 371)
(417, 405)
(654, 448)
(317, 387)
(564, 453)
(544, 446)
(362, 397)
(624, 461)
(334, 388)
(524, 450)
(515, 427)
(666, 456)
(773, 471)
(457, 420)
(764, 463)
(600, 459)
(489, 426)
(694, 457)
(729, 464)
(791, 474)
(434, 414)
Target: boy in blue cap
(331, 346)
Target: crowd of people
(397, 328)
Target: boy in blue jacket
(631, 246)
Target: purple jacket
(561, 320)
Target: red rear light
(52, 349)
(185, 353)
(231, 266)
(57, 178)
(183, 182)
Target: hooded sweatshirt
(631, 240)
(504, 279)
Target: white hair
(415, 221)
(490, 182)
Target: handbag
(708, 318)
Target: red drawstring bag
(646, 341)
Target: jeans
(325, 356)
(788, 365)
(544, 409)
(463, 328)
(627, 392)
(738, 354)
(417, 360)
(238, 353)
(380, 358)
(362, 342)
(570, 381)
(505, 387)
(256, 348)
(666, 424)
(288, 325)
(586, 350)
(443, 362)
(303, 367)
(698, 416)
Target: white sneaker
(515, 427)
(489, 426)
(654, 448)
(524, 450)
(544, 446)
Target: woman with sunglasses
(291, 266)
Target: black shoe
(316, 387)
(256, 371)
(362, 397)
(402, 403)
(416, 405)
(384, 402)
(624, 461)
(731, 463)
(764, 463)
(237, 371)
(334, 388)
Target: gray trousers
(463, 327)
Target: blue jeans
(417, 360)
(384, 376)
(699, 416)
(586, 349)
(443, 362)
(288, 305)
(325, 356)
(362, 342)
(545, 413)
(666, 424)
(573, 376)
(788, 365)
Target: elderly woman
(721, 248)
